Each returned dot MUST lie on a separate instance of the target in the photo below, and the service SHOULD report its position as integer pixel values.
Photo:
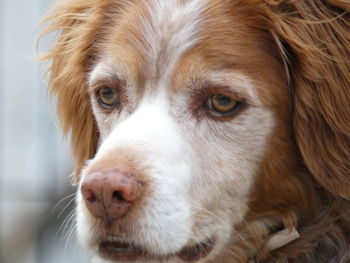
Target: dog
(207, 130)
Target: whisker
(69, 231)
(66, 222)
(59, 215)
(69, 237)
(63, 199)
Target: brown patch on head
(228, 35)
(232, 30)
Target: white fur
(101, 71)
(201, 171)
(152, 134)
(170, 30)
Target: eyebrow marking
(101, 71)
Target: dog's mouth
(125, 252)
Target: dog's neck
(324, 239)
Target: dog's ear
(71, 54)
(315, 35)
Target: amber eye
(222, 104)
(107, 97)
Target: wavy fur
(317, 40)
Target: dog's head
(192, 118)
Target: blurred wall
(34, 159)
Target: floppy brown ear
(70, 58)
(316, 37)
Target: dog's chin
(117, 251)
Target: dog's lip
(197, 251)
(118, 251)
(125, 252)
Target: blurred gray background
(35, 161)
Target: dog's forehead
(169, 43)
(151, 36)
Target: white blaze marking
(169, 31)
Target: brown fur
(304, 174)
(318, 39)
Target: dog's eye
(107, 97)
(222, 104)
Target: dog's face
(184, 110)
(180, 103)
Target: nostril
(108, 194)
(89, 196)
(117, 195)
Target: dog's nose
(108, 194)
